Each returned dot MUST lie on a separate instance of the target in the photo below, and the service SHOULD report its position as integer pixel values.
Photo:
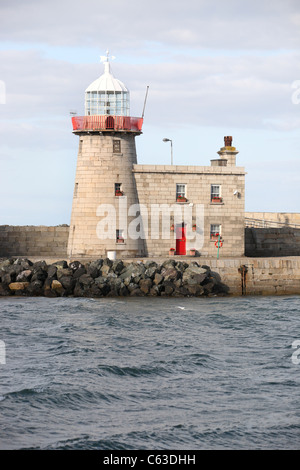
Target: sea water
(150, 373)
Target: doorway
(181, 239)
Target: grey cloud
(232, 24)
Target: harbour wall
(271, 265)
(259, 276)
(51, 242)
(283, 241)
(33, 240)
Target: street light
(169, 140)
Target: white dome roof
(107, 82)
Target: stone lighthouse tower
(105, 191)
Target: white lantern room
(107, 95)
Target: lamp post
(169, 140)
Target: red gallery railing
(101, 123)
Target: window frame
(120, 235)
(118, 188)
(180, 192)
(214, 233)
(116, 145)
(215, 193)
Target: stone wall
(32, 240)
(283, 241)
(288, 218)
(258, 276)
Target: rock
(86, 280)
(171, 274)
(6, 278)
(107, 262)
(60, 264)
(57, 286)
(5, 263)
(136, 292)
(78, 290)
(52, 270)
(18, 286)
(155, 290)
(4, 290)
(79, 272)
(39, 275)
(158, 278)
(117, 266)
(181, 266)
(105, 277)
(23, 262)
(169, 289)
(74, 265)
(24, 276)
(68, 283)
(64, 272)
(169, 263)
(14, 269)
(35, 288)
(134, 271)
(132, 286)
(94, 268)
(195, 290)
(39, 264)
(145, 285)
(105, 270)
(150, 264)
(151, 271)
(197, 279)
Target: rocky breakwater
(107, 278)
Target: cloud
(197, 24)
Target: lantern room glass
(116, 103)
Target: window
(120, 236)
(118, 189)
(180, 192)
(75, 189)
(215, 193)
(215, 231)
(116, 146)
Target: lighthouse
(105, 187)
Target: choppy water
(150, 373)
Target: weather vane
(104, 58)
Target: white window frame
(118, 187)
(120, 235)
(215, 192)
(214, 229)
(180, 190)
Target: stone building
(124, 209)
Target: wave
(133, 371)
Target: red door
(180, 240)
(110, 122)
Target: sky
(213, 69)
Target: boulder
(79, 272)
(24, 276)
(145, 285)
(171, 274)
(74, 265)
(57, 287)
(158, 278)
(18, 286)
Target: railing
(261, 223)
(101, 123)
